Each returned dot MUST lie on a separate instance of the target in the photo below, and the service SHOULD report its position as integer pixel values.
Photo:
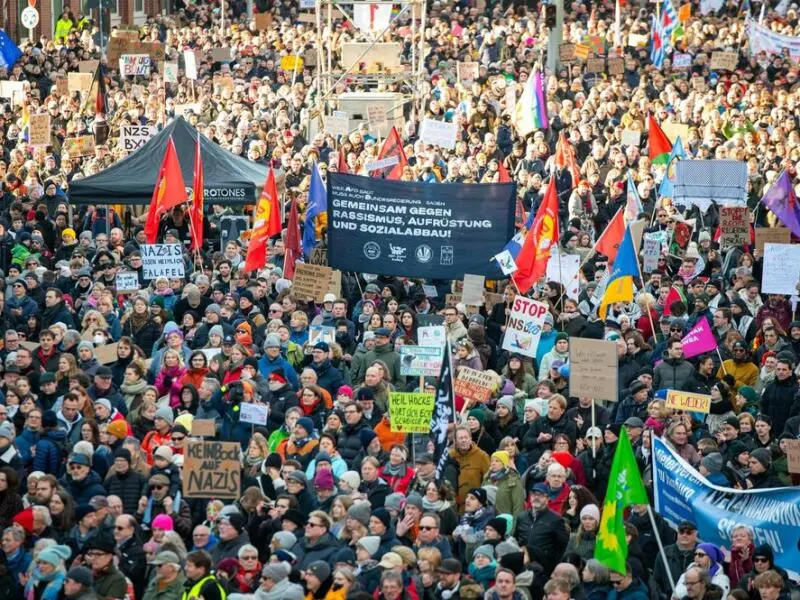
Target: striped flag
(669, 19)
(657, 44)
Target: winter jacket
(473, 466)
(26, 441)
(544, 424)
(82, 491)
(50, 452)
(267, 366)
(398, 483)
(672, 374)
(145, 336)
(385, 354)
(283, 590)
(129, 487)
(133, 562)
(510, 499)
(635, 591)
(545, 534)
(777, 401)
(328, 376)
(323, 549)
(350, 442)
(174, 591)
(279, 402)
(678, 561)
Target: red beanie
(25, 519)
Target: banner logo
(372, 250)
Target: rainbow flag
(530, 114)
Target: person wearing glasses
(99, 553)
(678, 556)
(80, 481)
(709, 559)
(625, 587)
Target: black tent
(227, 178)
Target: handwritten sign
(774, 235)
(311, 281)
(593, 369)
(131, 65)
(566, 52)
(631, 137)
(433, 335)
(734, 221)
(79, 82)
(79, 146)
(792, 455)
(595, 65)
(524, 326)
(677, 400)
(616, 66)
(255, 414)
(127, 282)
(439, 133)
(724, 60)
(133, 137)
(337, 125)
(411, 412)
(40, 130)
(651, 250)
(475, 385)
(321, 333)
(376, 115)
(204, 427)
(212, 470)
(467, 72)
(419, 360)
(162, 260)
(472, 292)
(781, 272)
(171, 72)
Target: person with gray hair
(17, 557)
(596, 578)
(275, 585)
(169, 580)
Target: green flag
(625, 487)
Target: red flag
(293, 249)
(504, 175)
(268, 209)
(341, 166)
(170, 191)
(542, 236)
(196, 210)
(393, 146)
(658, 144)
(608, 243)
(565, 158)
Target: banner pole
(594, 448)
(721, 362)
(660, 547)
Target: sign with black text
(162, 260)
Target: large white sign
(134, 64)
(134, 137)
(524, 326)
(564, 269)
(433, 335)
(253, 413)
(162, 260)
(781, 269)
(439, 133)
(190, 62)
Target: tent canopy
(227, 178)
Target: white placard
(681, 60)
(433, 335)
(631, 137)
(171, 72)
(133, 137)
(524, 326)
(430, 291)
(651, 250)
(134, 64)
(190, 62)
(781, 269)
(127, 281)
(337, 125)
(162, 260)
(340, 113)
(8, 89)
(565, 272)
(439, 133)
(307, 4)
(472, 294)
(389, 161)
(210, 353)
(376, 115)
(253, 413)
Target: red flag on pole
(341, 166)
(393, 146)
(565, 158)
(505, 177)
(542, 236)
(608, 243)
(170, 191)
(268, 209)
(196, 210)
(293, 249)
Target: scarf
(133, 389)
(498, 476)
(138, 321)
(394, 471)
(437, 506)
(251, 461)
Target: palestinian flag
(658, 143)
(674, 295)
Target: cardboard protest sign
(792, 455)
(472, 291)
(204, 427)
(419, 360)
(212, 470)
(453, 299)
(433, 335)
(256, 414)
(411, 412)
(616, 66)
(335, 286)
(162, 260)
(524, 326)
(772, 235)
(566, 52)
(780, 275)
(32, 346)
(40, 130)
(311, 281)
(79, 82)
(651, 251)
(688, 401)
(673, 130)
(734, 222)
(337, 125)
(467, 72)
(133, 137)
(376, 115)
(582, 51)
(263, 21)
(292, 63)
(490, 299)
(107, 353)
(475, 385)
(724, 60)
(79, 146)
(593, 369)
(62, 86)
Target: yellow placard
(688, 401)
(292, 62)
(411, 412)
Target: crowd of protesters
(334, 505)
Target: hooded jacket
(283, 590)
(83, 491)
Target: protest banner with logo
(134, 65)
(439, 133)
(772, 235)
(524, 326)
(416, 361)
(780, 269)
(79, 146)
(133, 137)
(204, 427)
(699, 340)
(593, 369)
(255, 414)
(212, 469)
(472, 289)
(442, 231)
(734, 223)
(311, 281)
(127, 282)
(321, 333)
(688, 401)
(40, 129)
(433, 335)
(79, 82)
(411, 412)
(475, 385)
(726, 61)
(651, 252)
(162, 260)
(682, 494)
(467, 72)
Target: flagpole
(660, 547)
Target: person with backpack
(49, 450)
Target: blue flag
(668, 183)
(317, 204)
(9, 51)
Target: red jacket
(398, 483)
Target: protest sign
(126, 282)
(107, 353)
(566, 52)
(780, 270)
(419, 360)
(430, 291)
(79, 146)
(681, 493)
(411, 412)
(792, 455)
(631, 137)
(595, 65)
(133, 137)
(376, 115)
(433, 335)
(389, 161)
(524, 326)
(11, 89)
(292, 63)
(162, 260)
(428, 320)
(335, 286)
(454, 299)
(40, 130)
(439, 133)
(674, 130)
(119, 46)
(724, 60)
(467, 72)
(441, 231)
(79, 82)
(616, 66)
(337, 125)
(263, 21)
(651, 251)
(225, 82)
(212, 469)
(171, 72)
(311, 281)
(593, 369)
(190, 64)
(204, 427)
(773, 235)
(88, 66)
(255, 414)
(688, 401)
(321, 333)
(223, 54)
(211, 353)
(734, 222)
(133, 65)
(564, 269)
(699, 340)
(681, 60)
(62, 86)
(475, 385)
(581, 51)
(490, 299)
(32, 346)
(472, 291)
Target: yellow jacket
(330, 594)
(745, 373)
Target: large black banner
(430, 230)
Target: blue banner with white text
(682, 493)
(429, 230)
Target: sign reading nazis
(212, 470)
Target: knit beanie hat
(361, 512)
(713, 462)
(503, 457)
(478, 415)
(165, 412)
(591, 510)
(124, 454)
(383, 516)
(762, 455)
(55, 554)
(748, 394)
(499, 525)
(485, 550)
(370, 543)
(118, 428)
(323, 480)
(163, 522)
(351, 478)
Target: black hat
(499, 524)
(49, 419)
(251, 361)
(365, 393)
(274, 461)
(103, 543)
(295, 516)
(480, 495)
(383, 515)
(228, 340)
(236, 520)
(82, 575)
(614, 428)
(246, 294)
(450, 566)
(687, 525)
(82, 510)
(104, 372)
(124, 454)
(733, 422)
(636, 387)
(47, 377)
(424, 458)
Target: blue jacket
(267, 366)
(49, 452)
(26, 303)
(25, 441)
(17, 564)
(83, 491)
(635, 591)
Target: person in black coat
(55, 310)
(132, 559)
(281, 397)
(350, 442)
(126, 483)
(541, 433)
(762, 476)
(542, 530)
(496, 324)
(778, 396)
(138, 325)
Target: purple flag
(782, 201)
(699, 340)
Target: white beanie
(591, 510)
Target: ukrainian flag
(620, 283)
